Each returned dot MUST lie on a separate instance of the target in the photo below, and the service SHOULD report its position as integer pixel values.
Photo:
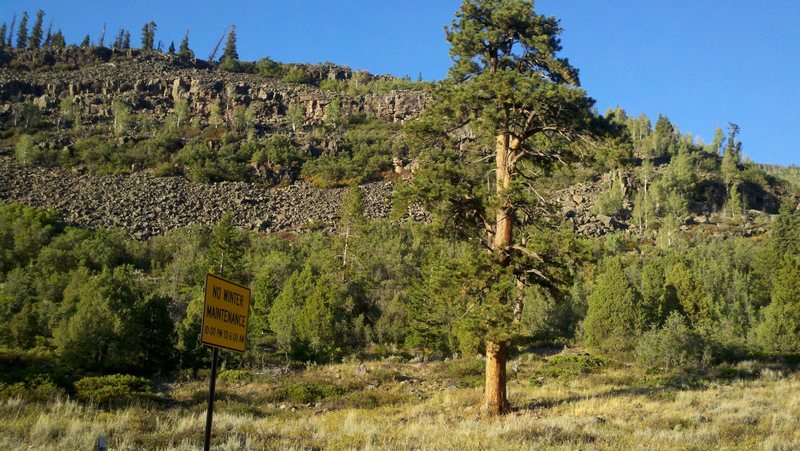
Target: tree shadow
(540, 404)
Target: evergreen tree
(287, 306)
(785, 238)
(3, 31)
(126, 40)
(35, 40)
(779, 332)
(226, 250)
(10, 38)
(118, 41)
(149, 36)
(22, 33)
(48, 38)
(171, 49)
(664, 137)
(316, 320)
(85, 43)
(58, 40)
(681, 289)
(615, 316)
(183, 49)
(230, 53)
(715, 147)
(509, 85)
(731, 158)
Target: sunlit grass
(423, 407)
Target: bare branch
(527, 252)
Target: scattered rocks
(144, 205)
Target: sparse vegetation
(397, 405)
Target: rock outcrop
(151, 83)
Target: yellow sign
(225, 313)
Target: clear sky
(702, 63)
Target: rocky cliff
(151, 83)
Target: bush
(673, 347)
(297, 75)
(27, 152)
(363, 155)
(113, 389)
(35, 387)
(235, 376)
(312, 392)
(268, 68)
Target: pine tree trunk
(495, 398)
(504, 214)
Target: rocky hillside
(144, 205)
(151, 83)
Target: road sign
(225, 313)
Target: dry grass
(406, 406)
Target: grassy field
(561, 402)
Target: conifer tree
(35, 40)
(779, 333)
(226, 250)
(230, 53)
(10, 38)
(148, 36)
(85, 43)
(731, 157)
(3, 30)
(183, 49)
(22, 33)
(48, 38)
(118, 41)
(126, 40)
(171, 49)
(615, 313)
(525, 112)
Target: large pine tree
(508, 99)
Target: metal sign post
(226, 310)
(212, 385)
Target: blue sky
(702, 63)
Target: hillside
(239, 127)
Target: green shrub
(114, 389)
(35, 387)
(305, 393)
(268, 68)
(363, 155)
(673, 347)
(28, 152)
(235, 376)
(296, 74)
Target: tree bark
(504, 214)
(495, 397)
